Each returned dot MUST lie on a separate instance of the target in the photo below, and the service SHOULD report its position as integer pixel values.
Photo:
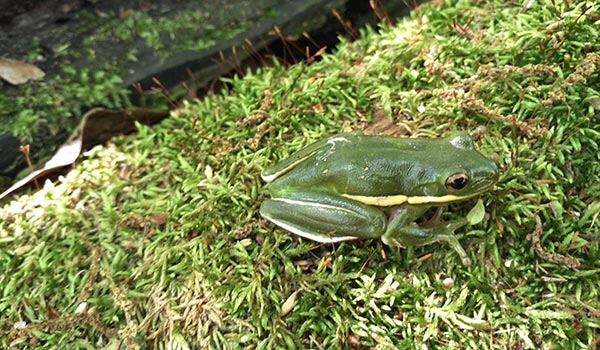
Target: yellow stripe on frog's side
(386, 201)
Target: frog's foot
(407, 236)
(451, 239)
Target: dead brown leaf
(17, 72)
(96, 127)
(381, 124)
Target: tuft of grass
(154, 240)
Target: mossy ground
(159, 233)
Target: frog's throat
(386, 201)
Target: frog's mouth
(398, 199)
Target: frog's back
(352, 163)
(374, 164)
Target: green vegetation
(43, 113)
(88, 74)
(193, 28)
(159, 233)
(22, 113)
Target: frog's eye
(457, 182)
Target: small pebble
(448, 283)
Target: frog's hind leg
(325, 218)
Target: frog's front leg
(325, 218)
(398, 233)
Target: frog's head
(454, 173)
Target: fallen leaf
(65, 155)
(96, 127)
(288, 304)
(158, 218)
(17, 72)
(22, 250)
(381, 124)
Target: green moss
(191, 29)
(160, 234)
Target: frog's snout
(485, 176)
(489, 176)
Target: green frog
(352, 186)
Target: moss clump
(159, 232)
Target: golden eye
(457, 182)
